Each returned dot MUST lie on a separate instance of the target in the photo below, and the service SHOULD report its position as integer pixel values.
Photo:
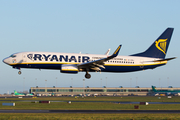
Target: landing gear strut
(87, 75)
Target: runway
(92, 111)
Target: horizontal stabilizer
(165, 59)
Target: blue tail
(159, 48)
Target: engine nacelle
(69, 69)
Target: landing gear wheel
(87, 75)
(19, 72)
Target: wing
(96, 65)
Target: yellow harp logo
(161, 45)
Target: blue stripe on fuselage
(39, 66)
(107, 68)
(128, 68)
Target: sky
(91, 27)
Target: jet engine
(69, 69)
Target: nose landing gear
(19, 72)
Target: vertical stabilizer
(154, 89)
(15, 92)
(159, 48)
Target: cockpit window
(13, 56)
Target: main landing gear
(87, 75)
(19, 72)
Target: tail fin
(154, 89)
(159, 48)
(15, 91)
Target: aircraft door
(141, 63)
(24, 57)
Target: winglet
(107, 53)
(117, 51)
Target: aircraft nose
(6, 60)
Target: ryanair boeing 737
(153, 57)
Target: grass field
(77, 116)
(89, 106)
(54, 105)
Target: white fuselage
(50, 60)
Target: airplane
(18, 94)
(167, 92)
(22, 94)
(153, 57)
